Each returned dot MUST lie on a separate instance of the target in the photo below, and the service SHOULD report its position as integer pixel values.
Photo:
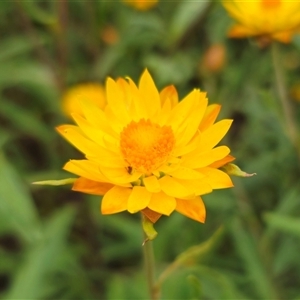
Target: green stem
(150, 269)
(290, 123)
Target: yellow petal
(170, 93)
(153, 216)
(213, 135)
(138, 110)
(94, 134)
(75, 136)
(192, 124)
(116, 100)
(174, 189)
(216, 178)
(211, 113)
(162, 203)
(120, 175)
(149, 93)
(111, 161)
(219, 163)
(86, 169)
(204, 159)
(199, 187)
(138, 199)
(115, 200)
(95, 115)
(185, 173)
(88, 186)
(182, 111)
(193, 209)
(152, 184)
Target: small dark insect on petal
(129, 169)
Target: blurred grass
(54, 244)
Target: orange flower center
(146, 146)
(270, 4)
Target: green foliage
(54, 243)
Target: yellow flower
(148, 152)
(93, 92)
(271, 19)
(141, 4)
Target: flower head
(141, 4)
(271, 19)
(93, 92)
(148, 152)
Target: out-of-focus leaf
(31, 280)
(16, 45)
(289, 225)
(187, 13)
(25, 121)
(175, 69)
(246, 247)
(33, 8)
(26, 72)
(16, 205)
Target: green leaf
(16, 205)
(289, 225)
(187, 14)
(31, 280)
(56, 182)
(248, 251)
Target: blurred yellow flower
(93, 92)
(148, 152)
(141, 4)
(271, 19)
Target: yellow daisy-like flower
(148, 152)
(93, 92)
(272, 19)
(141, 4)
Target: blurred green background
(54, 243)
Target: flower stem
(290, 123)
(150, 269)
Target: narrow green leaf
(55, 182)
(187, 13)
(247, 249)
(31, 280)
(289, 225)
(16, 205)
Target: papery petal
(86, 169)
(162, 203)
(185, 173)
(205, 159)
(213, 135)
(181, 112)
(75, 136)
(116, 100)
(170, 93)
(193, 209)
(115, 200)
(211, 113)
(88, 186)
(149, 93)
(153, 216)
(174, 189)
(138, 199)
(219, 163)
(152, 184)
(216, 178)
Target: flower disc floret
(145, 145)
